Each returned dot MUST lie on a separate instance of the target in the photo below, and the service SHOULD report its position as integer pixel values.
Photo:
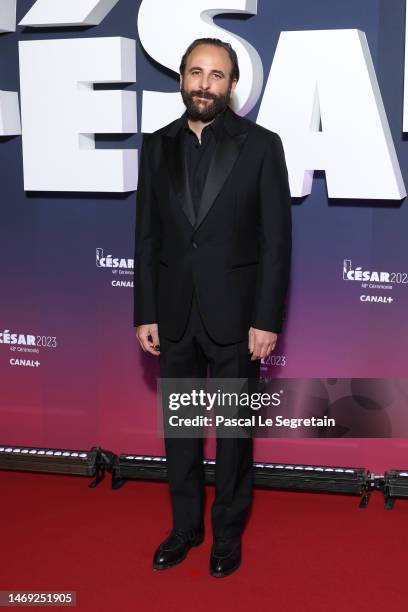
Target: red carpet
(301, 551)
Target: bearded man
(212, 259)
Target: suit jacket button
(195, 245)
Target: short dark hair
(234, 74)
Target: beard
(211, 110)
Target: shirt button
(195, 245)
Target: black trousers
(189, 358)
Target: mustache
(203, 94)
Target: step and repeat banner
(80, 82)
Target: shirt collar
(216, 125)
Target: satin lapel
(225, 155)
(176, 163)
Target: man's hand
(143, 332)
(261, 343)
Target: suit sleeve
(147, 242)
(275, 240)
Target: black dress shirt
(198, 156)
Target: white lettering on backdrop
(9, 111)
(61, 112)
(322, 92)
(49, 13)
(160, 108)
(322, 97)
(8, 15)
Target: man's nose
(204, 82)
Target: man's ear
(233, 85)
(181, 81)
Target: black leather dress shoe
(225, 557)
(175, 547)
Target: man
(212, 257)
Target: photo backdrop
(72, 373)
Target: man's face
(206, 87)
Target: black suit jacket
(236, 253)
